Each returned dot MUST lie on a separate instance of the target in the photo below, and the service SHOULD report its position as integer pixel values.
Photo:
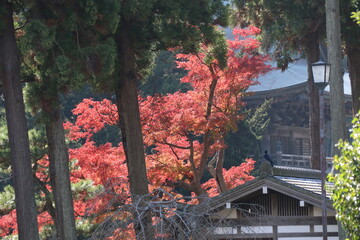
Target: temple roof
(295, 74)
(313, 185)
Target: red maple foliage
(184, 131)
(189, 128)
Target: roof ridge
(297, 172)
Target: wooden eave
(294, 89)
(290, 90)
(256, 185)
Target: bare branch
(175, 218)
(174, 145)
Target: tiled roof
(299, 183)
(313, 185)
(296, 172)
(297, 169)
(295, 74)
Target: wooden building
(287, 137)
(284, 203)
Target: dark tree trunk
(57, 151)
(353, 52)
(312, 54)
(16, 122)
(59, 168)
(129, 115)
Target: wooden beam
(274, 211)
(268, 235)
(310, 234)
(274, 204)
(240, 236)
(275, 233)
(277, 221)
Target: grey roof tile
(297, 172)
(295, 74)
(313, 185)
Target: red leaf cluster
(184, 130)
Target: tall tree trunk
(129, 115)
(16, 122)
(336, 75)
(59, 168)
(312, 54)
(57, 150)
(353, 53)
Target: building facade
(284, 203)
(287, 137)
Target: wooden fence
(300, 161)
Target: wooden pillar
(311, 213)
(279, 153)
(274, 212)
(265, 143)
(292, 142)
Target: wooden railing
(273, 227)
(300, 161)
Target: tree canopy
(182, 131)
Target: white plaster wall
(302, 238)
(294, 229)
(225, 230)
(318, 212)
(260, 229)
(309, 238)
(330, 228)
(230, 213)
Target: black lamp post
(321, 73)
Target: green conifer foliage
(246, 141)
(7, 200)
(165, 76)
(4, 142)
(17, 128)
(286, 25)
(350, 33)
(64, 44)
